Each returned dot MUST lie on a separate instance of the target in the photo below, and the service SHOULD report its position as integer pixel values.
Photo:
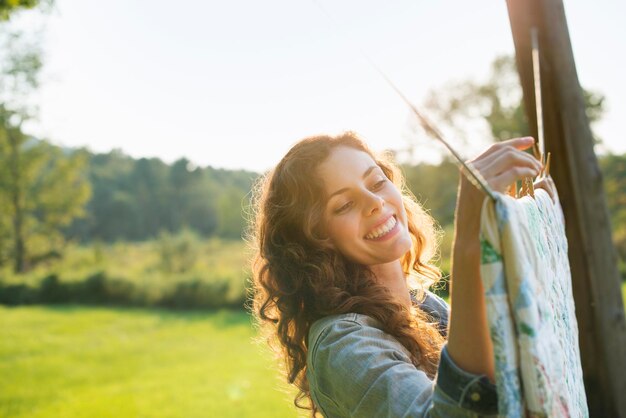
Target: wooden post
(575, 170)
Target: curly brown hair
(298, 278)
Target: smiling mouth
(384, 229)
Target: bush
(52, 291)
(205, 274)
(17, 294)
(98, 289)
(197, 294)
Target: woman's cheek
(344, 228)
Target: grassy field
(96, 362)
(71, 361)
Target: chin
(397, 252)
(406, 248)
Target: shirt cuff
(468, 390)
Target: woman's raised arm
(469, 343)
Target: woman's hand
(504, 163)
(501, 165)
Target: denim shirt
(355, 369)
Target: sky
(234, 84)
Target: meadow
(70, 361)
(76, 361)
(104, 359)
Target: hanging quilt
(530, 308)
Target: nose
(375, 203)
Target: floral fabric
(530, 308)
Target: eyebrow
(345, 189)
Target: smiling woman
(342, 269)
(364, 218)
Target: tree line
(50, 195)
(137, 199)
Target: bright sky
(234, 84)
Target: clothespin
(522, 190)
(546, 171)
(513, 190)
(531, 187)
(527, 189)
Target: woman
(341, 272)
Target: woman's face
(364, 216)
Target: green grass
(94, 362)
(72, 361)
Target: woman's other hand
(547, 184)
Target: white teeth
(383, 229)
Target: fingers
(516, 143)
(506, 158)
(547, 184)
(502, 181)
(519, 143)
(505, 162)
(505, 166)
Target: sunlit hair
(298, 278)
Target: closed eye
(379, 184)
(344, 208)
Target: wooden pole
(575, 170)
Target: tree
(230, 214)
(477, 113)
(495, 109)
(192, 202)
(41, 189)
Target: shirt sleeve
(471, 391)
(361, 371)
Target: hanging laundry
(530, 307)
